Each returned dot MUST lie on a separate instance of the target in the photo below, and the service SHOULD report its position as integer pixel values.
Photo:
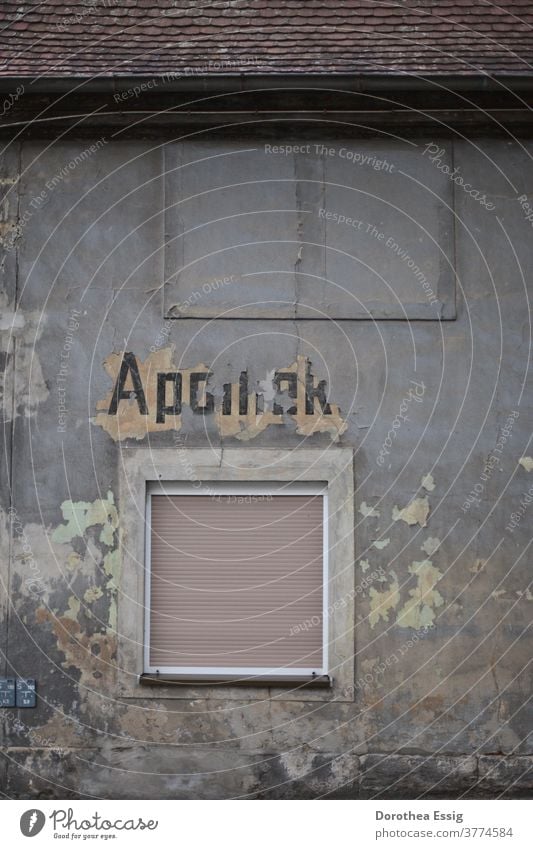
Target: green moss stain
(81, 515)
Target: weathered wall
(441, 643)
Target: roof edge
(172, 81)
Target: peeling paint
(318, 421)
(81, 515)
(382, 602)
(91, 654)
(428, 483)
(416, 512)
(128, 422)
(218, 741)
(11, 321)
(430, 545)
(111, 564)
(73, 608)
(19, 334)
(243, 414)
(419, 611)
(297, 763)
(92, 594)
(79, 648)
(245, 426)
(73, 560)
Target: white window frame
(236, 488)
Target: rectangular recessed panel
(236, 581)
(348, 229)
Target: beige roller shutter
(236, 582)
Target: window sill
(316, 681)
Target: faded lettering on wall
(149, 396)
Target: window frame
(287, 489)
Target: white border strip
(235, 488)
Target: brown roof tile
(113, 37)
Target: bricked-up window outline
(334, 465)
(351, 229)
(237, 579)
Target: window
(237, 580)
(316, 530)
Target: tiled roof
(137, 37)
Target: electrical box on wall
(7, 692)
(18, 692)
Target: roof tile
(116, 37)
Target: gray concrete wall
(440, 643)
